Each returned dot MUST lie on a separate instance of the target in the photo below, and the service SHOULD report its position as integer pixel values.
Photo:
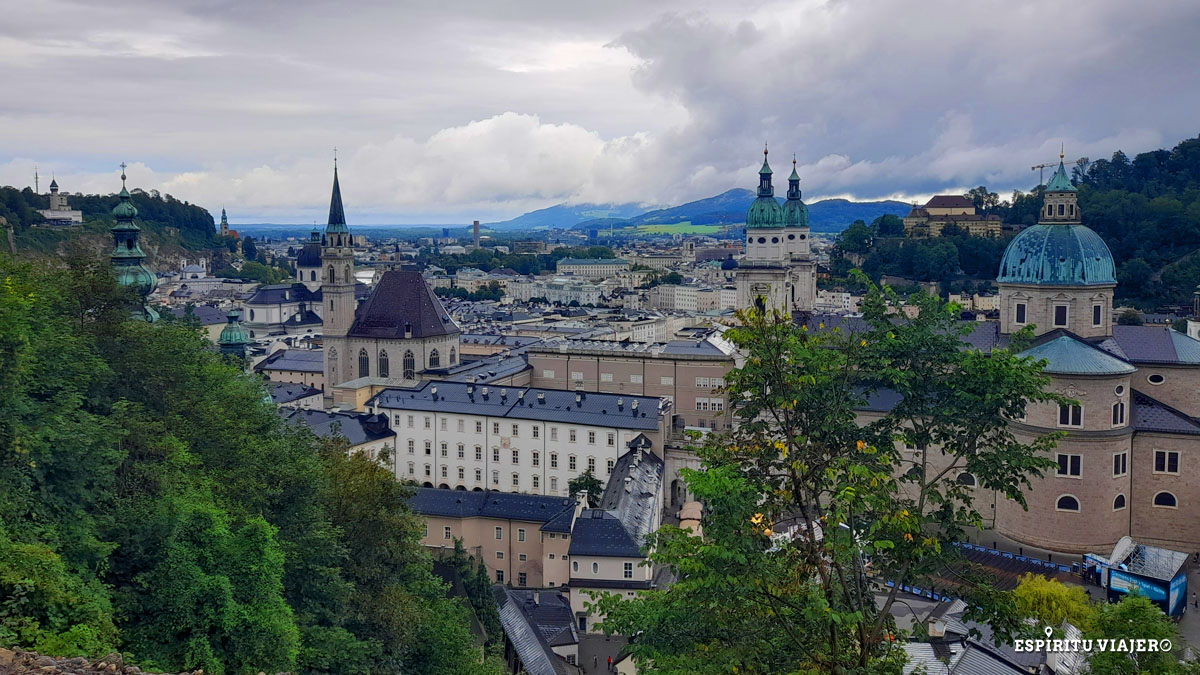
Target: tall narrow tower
(127, 256)
(224, 223)
(337, 291)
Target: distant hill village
(494, 408)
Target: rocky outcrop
(20, 661)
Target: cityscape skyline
(445, 116)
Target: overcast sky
(447, 111)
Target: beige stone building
(943, 210)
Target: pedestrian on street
(1194, 602)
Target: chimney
(484, 392)
(475, 227)
(541, 397)
(537, 593)
(635, 404)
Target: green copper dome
(1057, 255)
(125, 208)
(1059, 182)
(127, 254)
(234, 337)
(765, 212)
(795, 213)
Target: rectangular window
(499, 576)
(478, 453)
(635, 379)
(610, 466)
(537, 483)
(553, 486)
(571, 435)
(495, 478)
(717, 404)
(516, 430)
(499, 533)
(443, 471)
(496, 455)
(1069, 465)
(591, 438)
(443, 449)
(571, 463)
(1070, 415)
(461, 451)
(1118, 416)
(667, 379)
(520, 534)
(520, 578)
(1120, 464)
(460, 473)
(577, 375)
(1060, 315)
(446, 532)
(537, 458)
(702, 383)
(495, 427)
(516, 455)
(536, 433)
(478, 427)
(443, 424)
(592, 464)
(478, 475)
(548, 374)
(429, 447)
(516, 482)
(1166, 461)
(554, 460)
(428, 422)
(499, 555)
(606, 377)
(410, 421)
(554, 433)
(410, 446)
(612, 439)
(462, 426)
(522, 557)
(701, 403)
(628, 570)
(1020, 313)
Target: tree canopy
(153, 502)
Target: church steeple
(765, 189)
(224, 223)
(1061, 200)
(337, 216)
(233, 338)
(127, 255)
(793, 182)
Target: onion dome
(1053, 254)
(729, 263)
(127, 255)
(795, 213)
(125, 208)
(765, 212)
(234, 337)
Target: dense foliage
(155, 213)
(152, 502)
(1147, 210)
(805, 500)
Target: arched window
(1119, 503)
(383, 363)
(1166, 499)
(410, 365)
(251, 315)
(965, 478)
(312, 275)
(435, 359)
(453, 356)
(330, 277)
(364, 363)
(1067, 503)
(348, 277)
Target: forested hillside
(156, 213)
(152, 502)
(1147, 210)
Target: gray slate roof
(278, 294)
(554, 512)
(634, 502)
(537, 658)
(207, 316)
(556, 405)
(402, 299)
(286, 392)
(355, 427)
(298, 360)
(600, 533)
(1152, 415)
(1153, 344)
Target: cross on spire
(335, 157)
(123, 165)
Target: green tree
(856, 238)
(1051, 602)
(984, 200)
(1134, 618)
(249, 249)
(798, 602)
(589, 483)
(1130, 317)
(889, 225)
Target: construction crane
(1041, 168)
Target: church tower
(128, 257)
(224, 223)
(1058, 273)
(337, 291)
(762, 277)
(803, 269)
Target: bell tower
(337, 291)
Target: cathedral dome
(1057, 255)
(137, 277)
(765, 212)
(795, 213)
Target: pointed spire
(766, 168)
(337, 216)
(224, 218)
(765, 189)
(1060, 182)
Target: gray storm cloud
(443, 112)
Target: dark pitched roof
(286, 392)
(357, 428)
(207, 316)
(633, 489)
(400, 299)
(305, 318)
(600, 533)
(949, 202)
(309, 255)
(1154, 344)
(299, 360)
(489, 504)
(530, 403)
(527, 632)
(277, 294)
(1152, 415)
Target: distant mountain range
(826, 215)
